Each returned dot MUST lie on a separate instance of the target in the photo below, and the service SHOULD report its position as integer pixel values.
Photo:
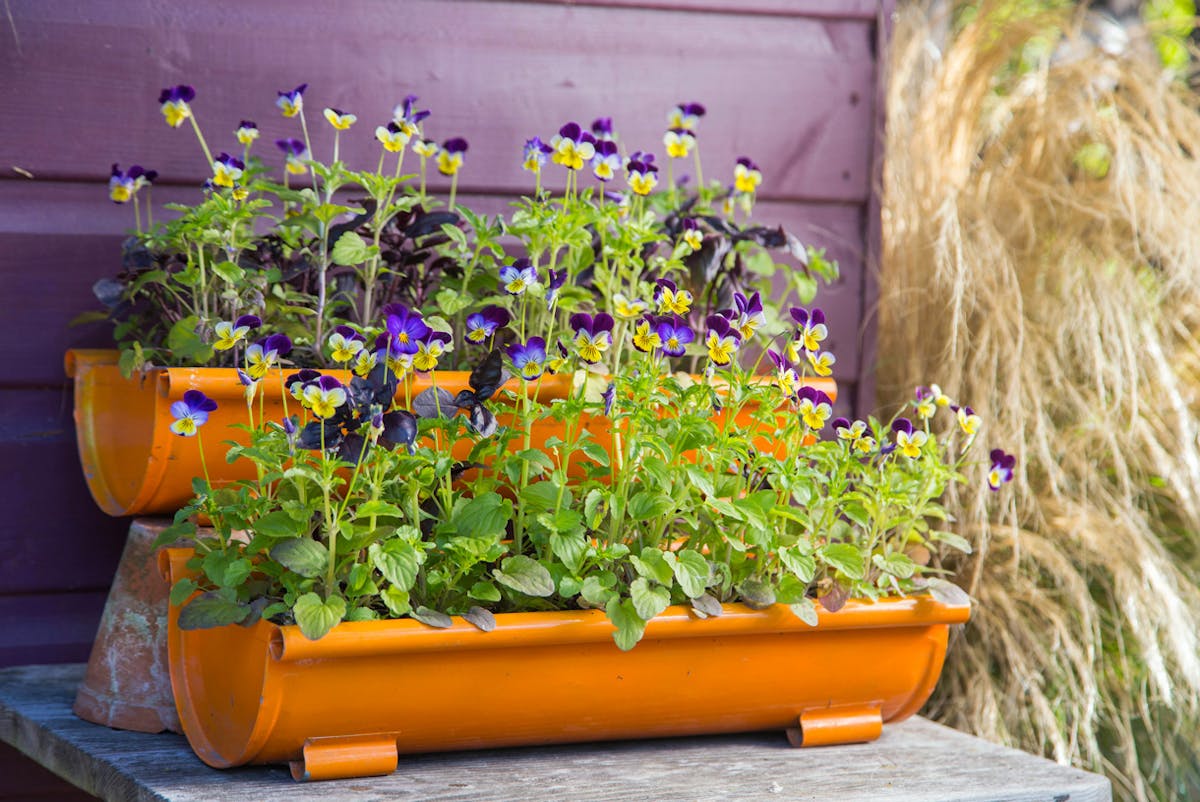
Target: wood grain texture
(795, 94)
(914, 760)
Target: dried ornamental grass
(1039, 257)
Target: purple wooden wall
(791, 83)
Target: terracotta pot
(348, 704)
(134, 465)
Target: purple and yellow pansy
(340, 120)
(529, 359)
(607, 161)
(191, 413)
(909, 441)
(686, 116)
(645, 335)
(483, 325)
(602, 129)
(722, 340)
(814, 407)
(518, 277)
(856, 435)
(295, 153)
(174, 101)
(227, 170)
(746, 176)
(324, 396)
(429, 350)
(811, 327)
(291, 102)
(392, 137)
(641, 174)
(674, 335)
(407, 118)
(786, 373)
(1001, 470)
(573, 147)
(692, 236)
(535, 153)
(404, 328)
(450, 157)
(230, 334)
(265, 354)
(627, 309)
(679, 143)
(593, 335)
(670, 299)
(247, 132)
(124, 184)
(425, 148)
(968, 421)
(345, 344)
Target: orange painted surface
(260, 694)
(134, 465)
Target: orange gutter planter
(134, 465)
(349, 704)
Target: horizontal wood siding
(790, 83)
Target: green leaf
(846, 558)
(947, 592)
(360, 582)
(432, 618)
(229, 271)
(650, 504)
(485, 515)
(212, 610)
(185, 345)
(597, 589)
(565, 522)
(451, 302)
(593, 513)
(805, 610)
(952, 540)
(379, 509)
(648, 600)
(349, 250)
(175, 532)
(181, 590)
(303, 555)
(629, 625)
(279, 525)
(484, 591)
(316, 616)
(362, 614)
(227, 569)
(804, 566)
(790, 590)
(397, 561)
(396, 600)
(652, 564)
(525, 575)
(569, 548)
(540, 496)
(898, 565)
(692, 572)
(701, 480)
(327, 211)
(596, 452)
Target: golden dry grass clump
(1060, 301)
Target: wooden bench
(914, 760)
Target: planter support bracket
(340, 757)
(825, 726)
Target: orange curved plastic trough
(347, 705)
(134, 465)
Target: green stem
(208, 159)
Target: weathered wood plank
(57, 239)
(54, 627)
(795, 94)
(914, 760)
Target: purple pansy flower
(746, 176)
(670, 299)
(812, 330)
(407, 117)
(573, 146)
(785, 372)
(296, 382)
(908, 440)
(557, 279)
(174, 101)
(264, 354)
(295, 153)
(602, 128)
(405, 328)
(722, 341)
(429, 349)
(230, 334)
(246, 132)
(679, 143)
(227, 170)
(529, 359)
(593, 335)
(191, 413)
(516, 278)
(450, 157)
(692, 234)
(607, 161)
(814, 407)
(483, 325)
(641, 174)
(291, 103)
(1002, 468)
(536, 152)
(609, 395)
(122, 186)
(748, 314)
(685, 115)
(345, 343)
(324, 396)
(674, 334)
